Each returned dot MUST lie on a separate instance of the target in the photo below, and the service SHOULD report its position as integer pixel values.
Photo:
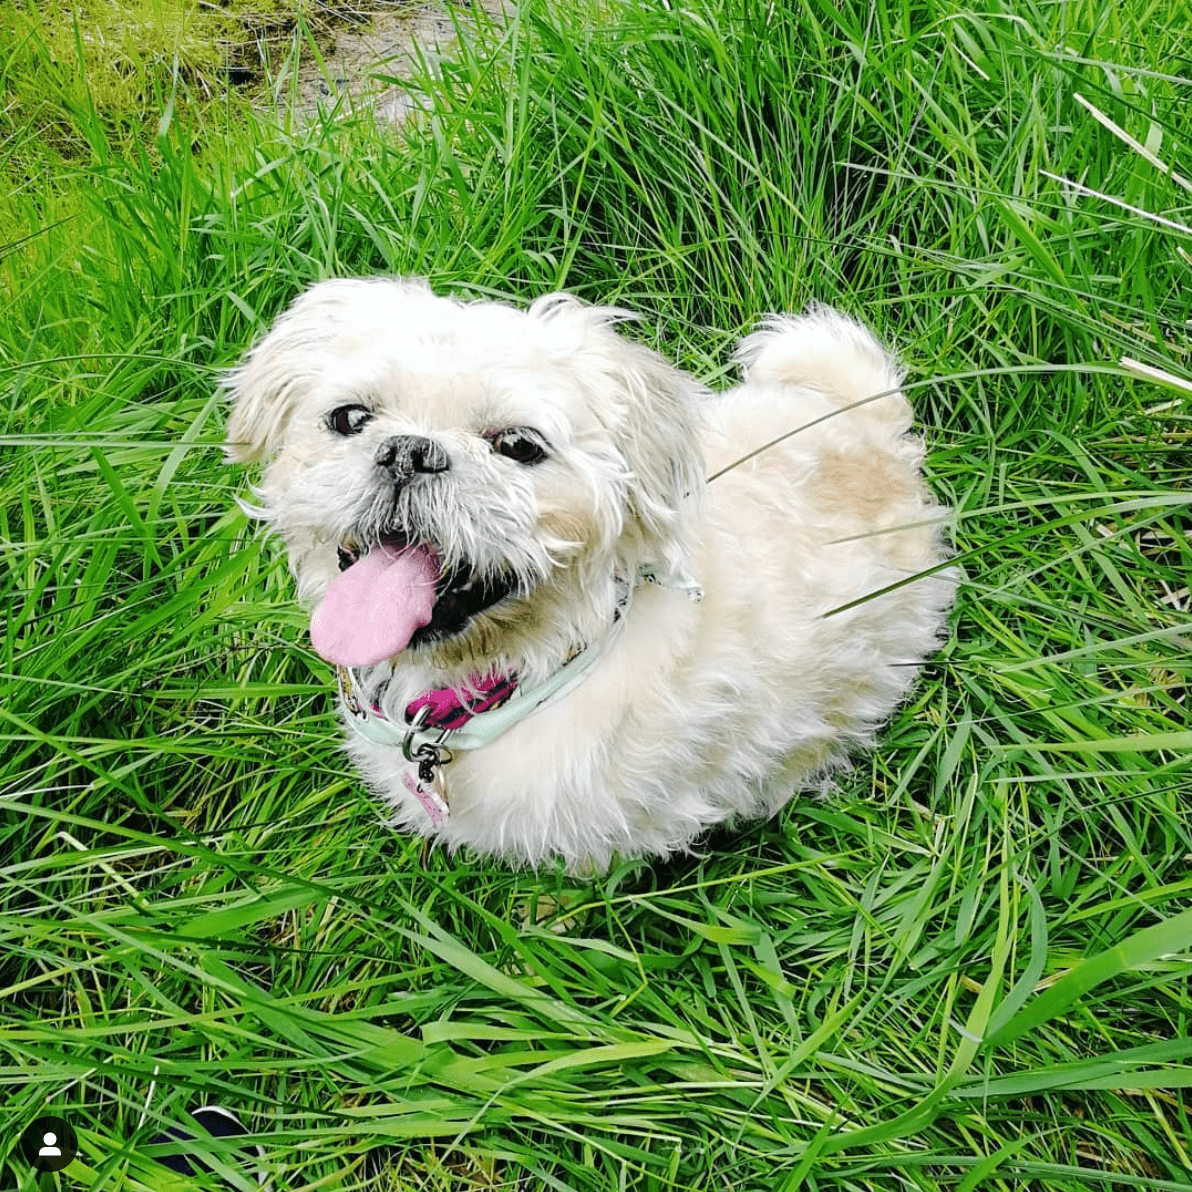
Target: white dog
(554, 635)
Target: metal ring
(407, 745)
(425, 749)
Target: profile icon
(49, 1143)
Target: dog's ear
(659, 439)
(651, 411)
(269, 384)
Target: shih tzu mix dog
(554, 637)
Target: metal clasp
(426, 755)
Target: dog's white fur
(696, 712)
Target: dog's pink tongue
(371, 610)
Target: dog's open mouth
(395, 594)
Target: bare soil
(383, 42)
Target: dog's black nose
(403, 455)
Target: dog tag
(430, 791)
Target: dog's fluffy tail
(825, 350)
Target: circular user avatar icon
(49, 1143)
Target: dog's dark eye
(349, 420)
(519, 445)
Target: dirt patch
(383, 42)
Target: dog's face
(471, 474)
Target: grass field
(968, 968)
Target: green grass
(968, 968)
